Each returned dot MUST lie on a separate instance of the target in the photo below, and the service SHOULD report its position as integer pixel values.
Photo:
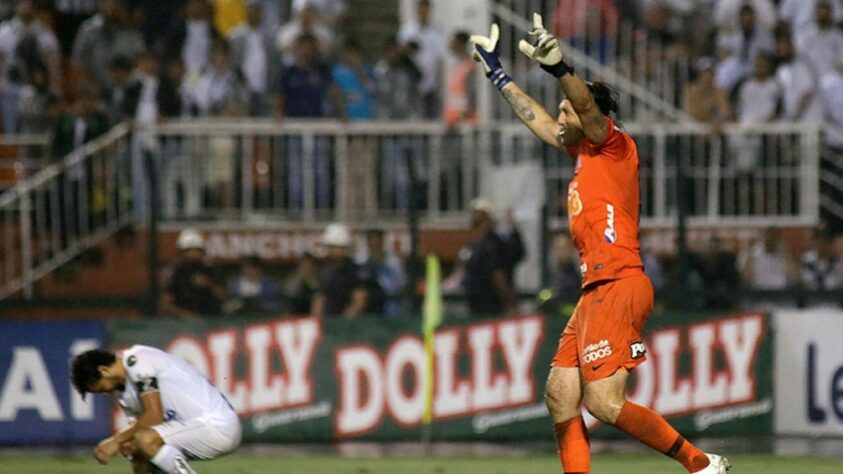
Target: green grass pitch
(267, 464)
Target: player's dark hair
(605, 97)
(86, 368)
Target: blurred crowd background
(73, 68)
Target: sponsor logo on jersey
(637, 349)
(597, 351)
(609, 233)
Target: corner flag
(431, 319)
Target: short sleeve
(142, 364)
(615, 146)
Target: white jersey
(185, 393)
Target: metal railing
(317, 170)
(22, 155)
(760, 174)
(259, 171)
(649, 76)
(831, 181)
(64, 209)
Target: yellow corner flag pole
(431, 319)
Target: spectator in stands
(253, 292)
(704, 101)
(253, 53)
(101, 39)
(486, 264)
(191, 38)
(384, 272)
(652, 262)
(39, 107)
(758, 98)
(459, 108)
(228, 15)
(308, 91)
(147, 99)
(192, 288)
(120, 77)
(799, 14)
(739, 50)
(758, 102)
(306, 22)
(300, 288)
(820, 267)
(82, 122)
(575, 21)
(68, 16)
(727, 13)
(718, 268)
(509, 235)
(26, 42)
(398, 79)
(219, 92)
(565, 276)
(799, 84)
(767, 264)
(460, 91)
(356, 82)
(341, 290)
(330, 11)
(832, 100)
(306, 87)
(821, 44)
(429, 56)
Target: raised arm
(528, 111)
(532, 114)
(548, 53)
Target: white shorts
(204, 437)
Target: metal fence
(759, 174)
(65, 208)
(259, 171)
(22, 155)
(649, 74)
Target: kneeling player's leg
(563, 394)
(606, 401)
(168, 458)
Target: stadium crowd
(350, 277)
(71, 68)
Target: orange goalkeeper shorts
(604, 333)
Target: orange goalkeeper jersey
(603, 206)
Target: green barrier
(312, 380)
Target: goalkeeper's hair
(605, 96)
(86, 368)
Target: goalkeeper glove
(546, 51)
(487, 53)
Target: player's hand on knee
(105, 450)
(127, 449)
(545, 48)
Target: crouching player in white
(178, 415)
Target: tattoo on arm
(520, 105)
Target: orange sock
(572, 445)
(650, 428)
